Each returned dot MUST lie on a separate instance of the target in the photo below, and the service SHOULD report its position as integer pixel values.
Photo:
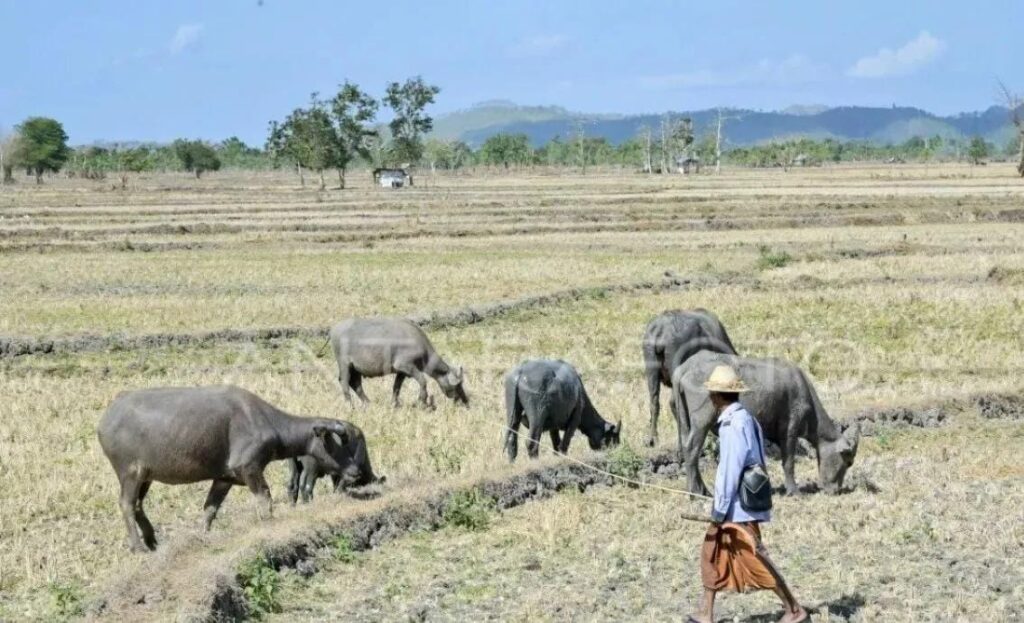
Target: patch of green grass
(341, 549)
(624, 461)
(769, 258)
(261, 584)
(470, 510)
(66, 601)
(446, 460)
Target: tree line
(343, 131)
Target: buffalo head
(452, 386)
(835, 457)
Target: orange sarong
(734, 559)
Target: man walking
(733, 557)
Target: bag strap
(760, 442)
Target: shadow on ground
(844, 608)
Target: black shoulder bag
(755, 488)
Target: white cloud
(184, 37)
(796, 69)
(914, 54)
(537, 45)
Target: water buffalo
(784, 402)
(353, 458)
(374, 347)
(181, 435)
(552, 397)
(671, 338)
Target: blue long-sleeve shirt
(739, 438)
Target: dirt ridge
(16, 346)
(222, 596)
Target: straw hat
(724, 380)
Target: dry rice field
(896, 287)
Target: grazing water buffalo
(551, 396)
(784, 402)
(381, 346)
(181, 435)
(355, 468)
(671, 338)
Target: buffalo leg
(421, 378)
(218, 491)
(556, 440)
(682, 430)
(533, 444)
(130, 486)
(654, 391)
(570, 428)
(344, 378)
(399, 379)
(515, 419)
(355, 381)
(691, 457)
(254, 479)
(307, 482)
(293, 480)
(148, 534)
(789, 463)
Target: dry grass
(902, 554)
(880, 314)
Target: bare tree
(666, 121)
(720, 124)
(581, 145)
(676, 138)
(646, 136)
(1014, 102)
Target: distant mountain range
(744, 127)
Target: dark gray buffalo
(550, 394)
(181, 435)
(671, 338)
(784, 402)
(374, 347)
(353, 458)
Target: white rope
(598, 470)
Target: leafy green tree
(913, 146)
(632, 153)
(352, 111)
(506, 149)
(308, 138)
(409, 101)
(977, 150)
(234, 153)
(134, 161)
(706, 148)
(42, 146)
(437, 153)
(461, 155)
(196, 156)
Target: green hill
(881, 125)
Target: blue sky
(215, 68)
